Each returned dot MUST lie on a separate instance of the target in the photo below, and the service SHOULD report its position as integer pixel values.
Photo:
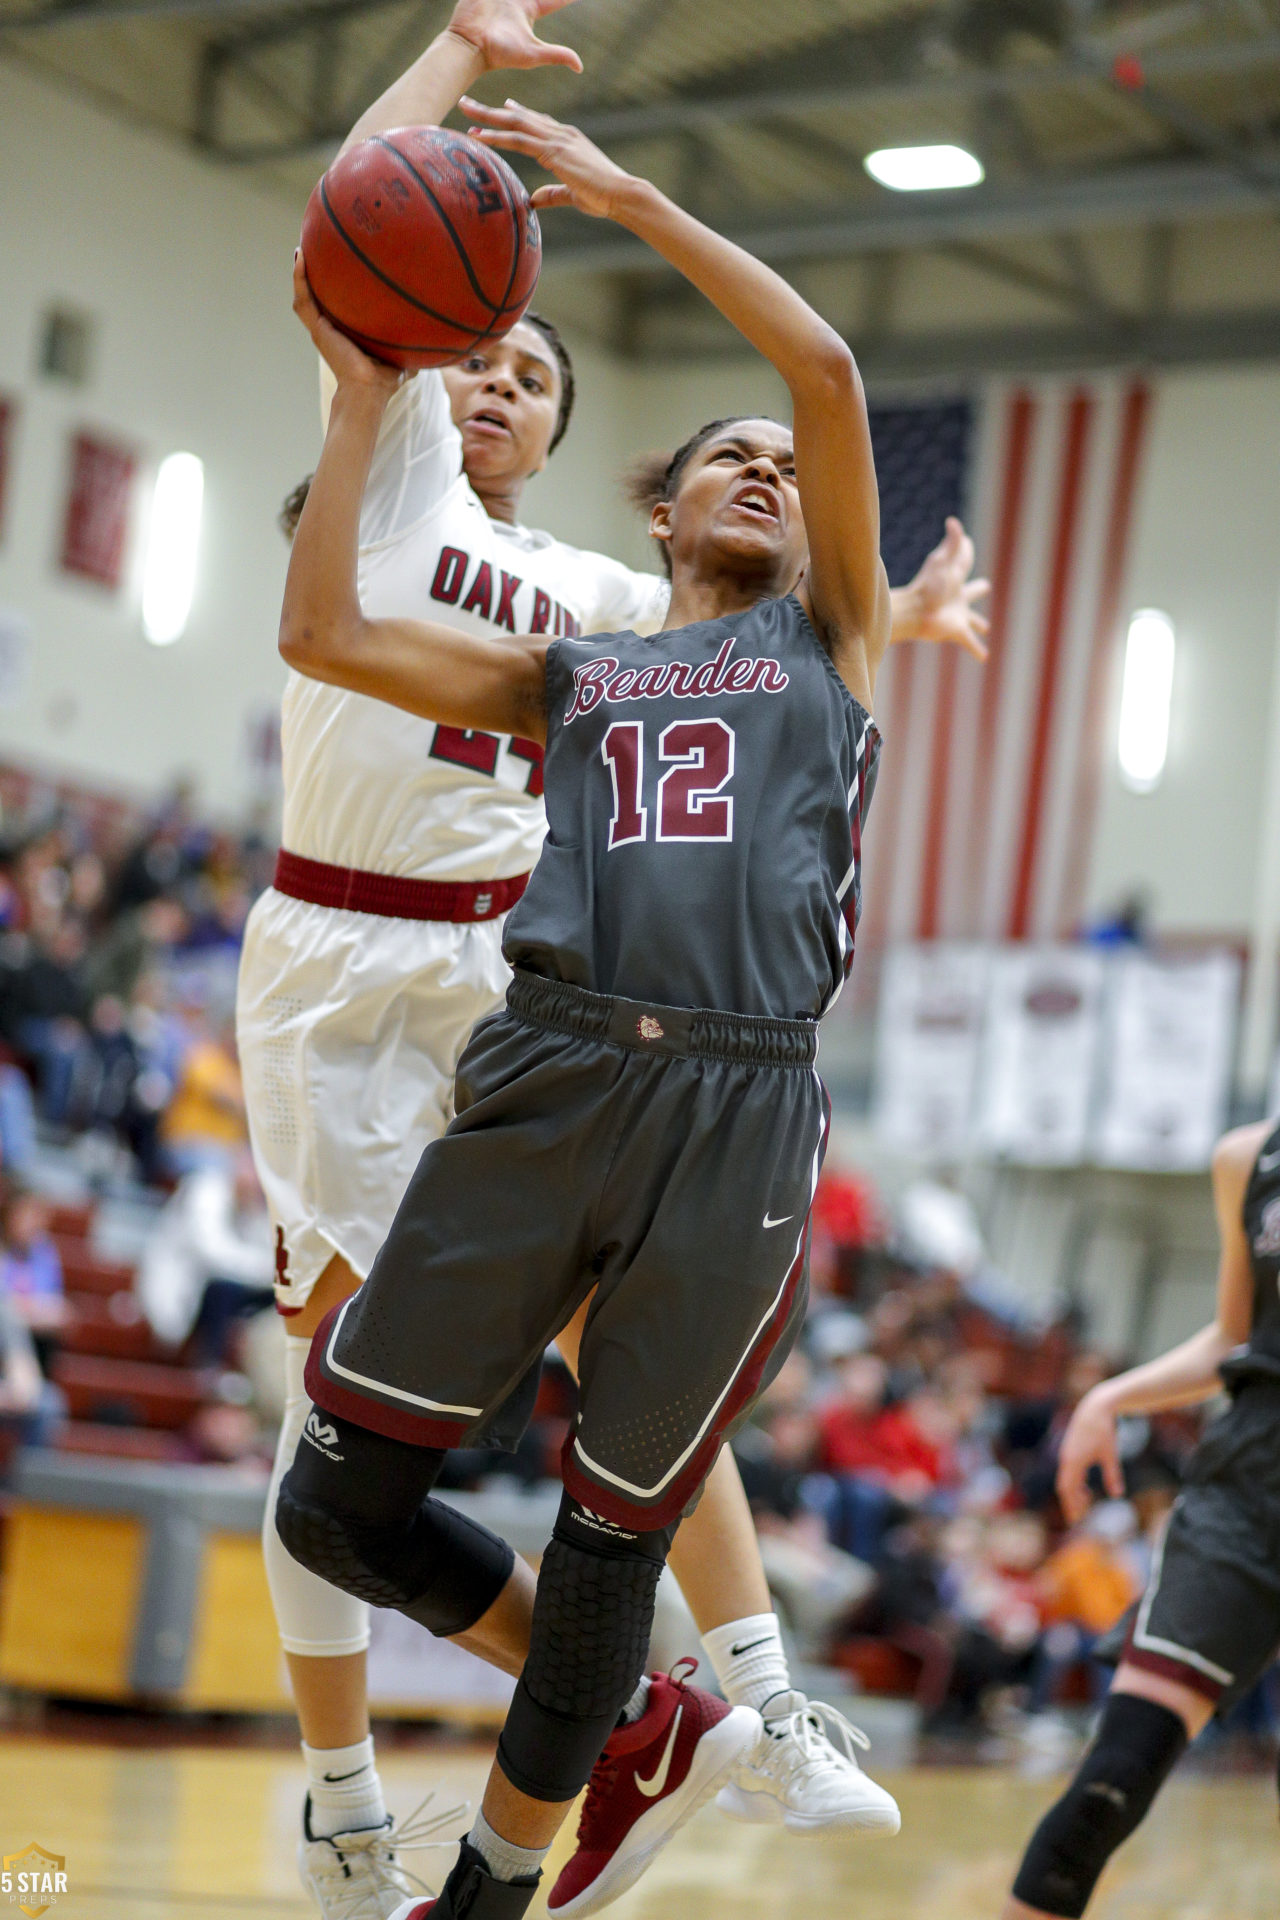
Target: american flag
(984, 818)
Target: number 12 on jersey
(699, 756)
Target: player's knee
(591, 1623)
(1138, 1744)
(388, 1544)
(465, 1568)
(327, 1544)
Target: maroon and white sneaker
(652, 1776)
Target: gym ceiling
(1131, 150)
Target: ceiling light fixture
(924, 169)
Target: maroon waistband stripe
(393, 897)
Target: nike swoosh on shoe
(652, 1787)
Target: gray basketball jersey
(1261, 1353)
(705, 792)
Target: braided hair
(551, 334)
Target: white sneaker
(802, 1774)
(357, 1876)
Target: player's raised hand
(586, 178)
(943, 598)
(502, 33)
(350, 365)
(1089, 1441)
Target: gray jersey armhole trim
(865, 719)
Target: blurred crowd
(119, 939)
(120, 935)
(901, 1469)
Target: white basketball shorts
(349, 1028)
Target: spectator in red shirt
(862, 1434)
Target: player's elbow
(297, 641)
(830, 370)
(311, 643)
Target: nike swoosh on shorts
(653, 1787)
(770, 1222)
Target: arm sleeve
(624, 601)
(417, 459)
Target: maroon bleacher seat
(84, 1272)
(135, 1393)
(71, 1221)
(113, 1335)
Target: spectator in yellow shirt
(1084, 1588)
(205, 1124)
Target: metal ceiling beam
(923, 90)
(755, 93)
(1062, 203)
(904, 359)
(1022, 274)
(62, 13)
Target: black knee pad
(466, 1568)
(1137, 1747)
(591, 1623)
(353, 1509)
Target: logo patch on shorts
(648, 1028)
(321, 1435)
(483, 902)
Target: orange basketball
(420, 244)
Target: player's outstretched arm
(482, 36)
(846, 587)
(1187, 1373)
(941, 603)
(436, 671)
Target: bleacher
(128, 1395)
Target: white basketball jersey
(366, 785)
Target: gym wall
(184, 270)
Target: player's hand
(943, 598)
(349, 364)
(502, 33)
(587, 179)
(1089, 1441)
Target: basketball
(420, 244)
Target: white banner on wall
(1044, 1009)
(931, 1013)
(1170, 1038)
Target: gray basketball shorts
(1210, 1616)
(666, 1157)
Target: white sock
(748, 1659)
(634, 1709)
(504, 1859)
(345, 1791)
